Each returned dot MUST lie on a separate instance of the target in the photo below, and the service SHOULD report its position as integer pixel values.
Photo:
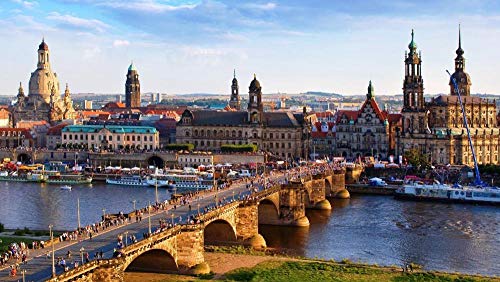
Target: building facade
(436, 127)
(282, 134)
(16, 137)
(111, 137)
(44, 100)
(364, 132)
(132, 88)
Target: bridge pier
(247, 226)
(190, 250)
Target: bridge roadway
(39, 267)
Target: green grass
(325, 271)
(6, 241)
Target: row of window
(234, 134)
(109, 138)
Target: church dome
(132, 67)
(255, 84)
(461, 77)
(43, 46)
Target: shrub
(2, 227)
(239, 148)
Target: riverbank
(260, 267)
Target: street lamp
(149, 217)
(198, 208)
(78, 213)
(172, 215)
(233, 195)
(134, 201)
(53, 255)
(82, 249)
(156, 189)
(23, 272)
(103, 215)
(126, 238)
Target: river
(372, 229)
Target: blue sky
(293, 46)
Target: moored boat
(66, 187)
(133, 180)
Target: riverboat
(5, 176)
(188, 182)
(134, 180)
(442, 192)
(158, 180)
(478, 192)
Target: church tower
(414, 112)
(461, 77)
(413, 85)
(132, 88)
(234, 102)
(255, 107)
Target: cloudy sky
(293, 46)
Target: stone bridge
(181, 249)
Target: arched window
(195, 133)
(187, 133)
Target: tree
(178, 147)
(417, 159)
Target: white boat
(188, 182)
(66, 187)
(446, 193)
(134, 180)
(158, 180)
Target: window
(91, 137)
(139, 138)
(70, 137)
(133, 137)
(271, 135)
(64, 137)
(282, 135)
(118, 138)
(150, 138)
(110, 138)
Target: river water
(371, 229)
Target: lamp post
(149, 217)
(172, 215)
(126, 238)
(233, 195)
(103, 215)
(82, 249)
(78, 213)
(198, 208)
(53, 255)
(23, 272)
(156, 189)
(134, 201)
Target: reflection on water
(379, 229)
(373, 229)
(36, 206)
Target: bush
(2, 227)
(19, 232)
(178, 147)
(239, 148)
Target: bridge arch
(24, 158)
(219, 231)
(268, 211)
(156, 161)
(155, 261)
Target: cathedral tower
(414, 112)
(132, 88)
(255, 106)
(234, 102)
(413, 85)
(461, 77)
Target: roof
(350, 114)
(237, 118)
(112, 128)
(114, 105)
(132, 67)
(32, 123)
(43, 46)
(318, 133)
(443, 100)
(394, 118)
(4, 113)
(381, 115)
(56, 130)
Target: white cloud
(149, 6)
(25, 3)
(78, 23)
(119, 43)
(267, 6)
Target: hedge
(178, 147)
(239, 148)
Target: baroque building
(132, 88)
(436, 127)
(44, 100)
(283, 134)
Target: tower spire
(234, 73)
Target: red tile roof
(56, 130)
